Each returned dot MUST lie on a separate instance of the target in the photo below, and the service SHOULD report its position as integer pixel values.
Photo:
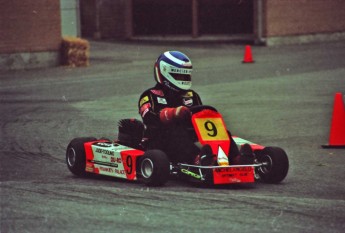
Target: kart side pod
(89, 155)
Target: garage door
(174, 17)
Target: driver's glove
(168, 115)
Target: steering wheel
(195, 109)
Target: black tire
(75, 155)
(154, 168)
(276, 165)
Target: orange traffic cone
(248, 58)
(337, 132)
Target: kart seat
(130, 132)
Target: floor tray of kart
(86, 155)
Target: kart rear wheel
(275, 165)
(75, 155)
(154, 168)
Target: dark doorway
(175, 17)
(226, 16)
(162, 17)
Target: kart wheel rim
(71, 157)
(146, 168)
(267, 164)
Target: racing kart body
(152, 166)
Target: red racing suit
(153, 100)
(172, 139)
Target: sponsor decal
(111, 170)
(103, 151)
(189, 173)
(161, 100)
(144, 113)
(233, 175)
(144, 108)
(188, 101)
(115, 160)
(184, 82)
(158, 92)
(143, 100)
(233, 169)
(180, 71)
(106, 169)
(121, 172)
(188, 94)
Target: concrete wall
(30, 33)
(70, 17)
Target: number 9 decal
(129, 163)
(211, 128)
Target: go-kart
(151, 166)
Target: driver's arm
(147, 110)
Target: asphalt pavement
(285, 98)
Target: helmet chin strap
(168, 86)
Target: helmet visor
(181, 77)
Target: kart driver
(165, 110)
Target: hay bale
(75, 52)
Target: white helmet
(173, 69)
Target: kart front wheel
(275, 165)
(154, 168)
(75, 155)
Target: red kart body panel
(111, 159)
(210, 129)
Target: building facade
(263, 21)
(30, 33)
(296, 21)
